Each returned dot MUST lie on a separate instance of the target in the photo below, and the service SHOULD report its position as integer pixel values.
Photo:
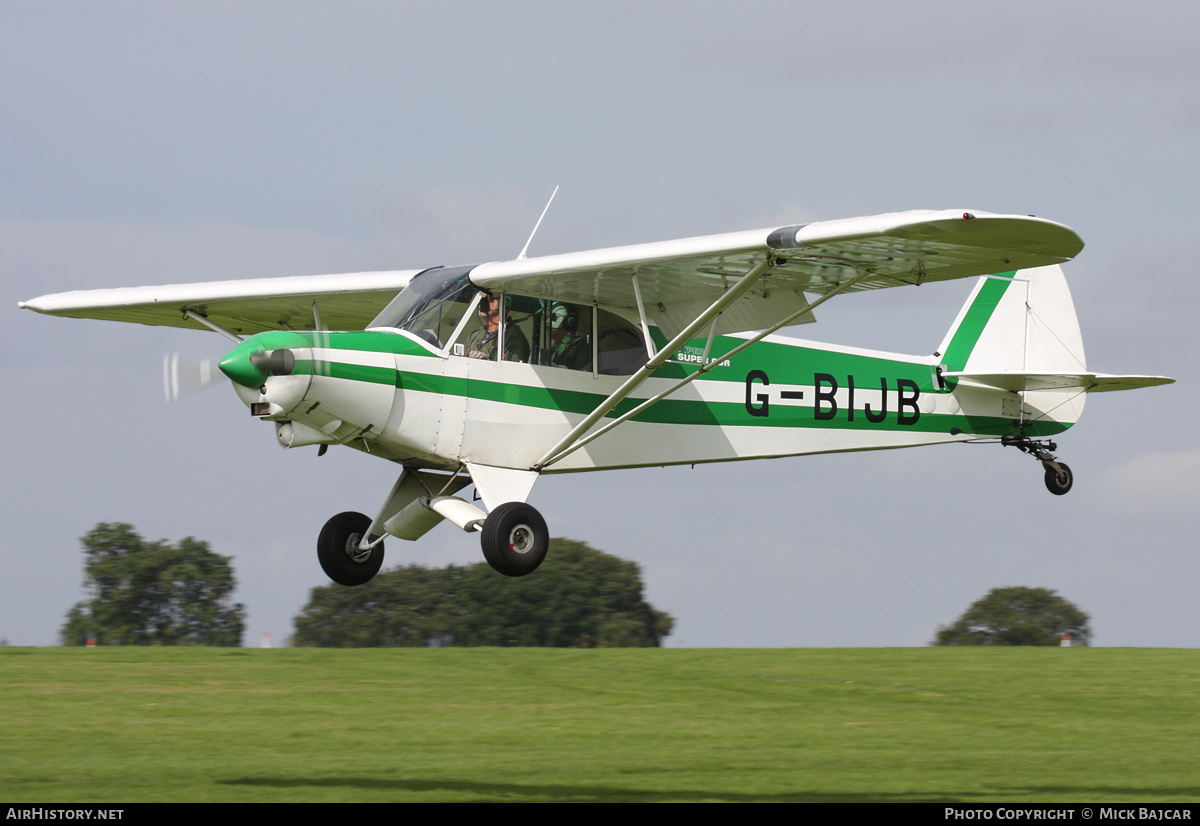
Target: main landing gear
(338, 550)
(514, 537)
(1058, 475)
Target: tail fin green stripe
(980, 313)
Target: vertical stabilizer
(1021, 323)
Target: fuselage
(396, 395)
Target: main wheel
(515, 539)
(337, 549)
(1058, 483)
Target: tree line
(158, 593)
(582, 598)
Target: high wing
(343, 302)
(677, 280)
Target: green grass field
(936, 724)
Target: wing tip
(34, 304)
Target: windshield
(431, 305)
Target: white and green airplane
(653, 354)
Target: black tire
(1056, 483)
(515, 539)
(337, 549)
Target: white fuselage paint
(468, 422)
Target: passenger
(570, 349)
(482, 344)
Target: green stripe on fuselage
(352, 372)
(368, 341)
(792, 366)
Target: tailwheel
(515, 539)
(1058, 478)
(341, 558)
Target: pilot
(483, 341)
(570, 348)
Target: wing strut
(637, 295)
(560, 451)
(659, 359)
(203, 319)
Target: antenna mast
(538, 224)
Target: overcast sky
(148, 143)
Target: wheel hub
(520, 539)
(352, 549)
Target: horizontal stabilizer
(1018, 382)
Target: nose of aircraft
(240, 367)
(260, 356)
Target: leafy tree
(153, 593)
(581, 598)
(404, 607)
(1017, 616)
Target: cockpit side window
(520, 327)
(566, 335)
(551, 334)
(533, 330)
(499, 331)
(620, 345)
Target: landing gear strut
(341, 558)
(1058, 475)
(515, 539)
